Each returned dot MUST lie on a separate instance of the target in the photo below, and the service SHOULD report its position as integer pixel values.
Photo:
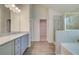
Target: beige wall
(4, 16)
(25, 18)
(15, 22)
(20, 21)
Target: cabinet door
(24, 43)
(7, 49)
(17, 46)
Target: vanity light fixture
(13, 8)
(17, 9)
(7, 5)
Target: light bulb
(16, 8)
(13, 5)
(19, 10)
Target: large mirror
(9, 18)
(72, 21)
(5, 19)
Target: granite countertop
(6, 37)
(72, 47)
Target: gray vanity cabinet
(21, 44)
(24, 43)
(15, 47)
(7, 48)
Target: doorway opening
(43, 30)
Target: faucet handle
(78, 40)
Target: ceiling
(63, 7)
(19, 5)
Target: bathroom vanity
(67, 42)
(14, 43)
(70, 48)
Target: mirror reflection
(72, 21)
(9, 18)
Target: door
(43, 30)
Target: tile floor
(41, 48)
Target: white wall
(51, 34)
(50, 26)
(38, 12)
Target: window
(72, 22)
